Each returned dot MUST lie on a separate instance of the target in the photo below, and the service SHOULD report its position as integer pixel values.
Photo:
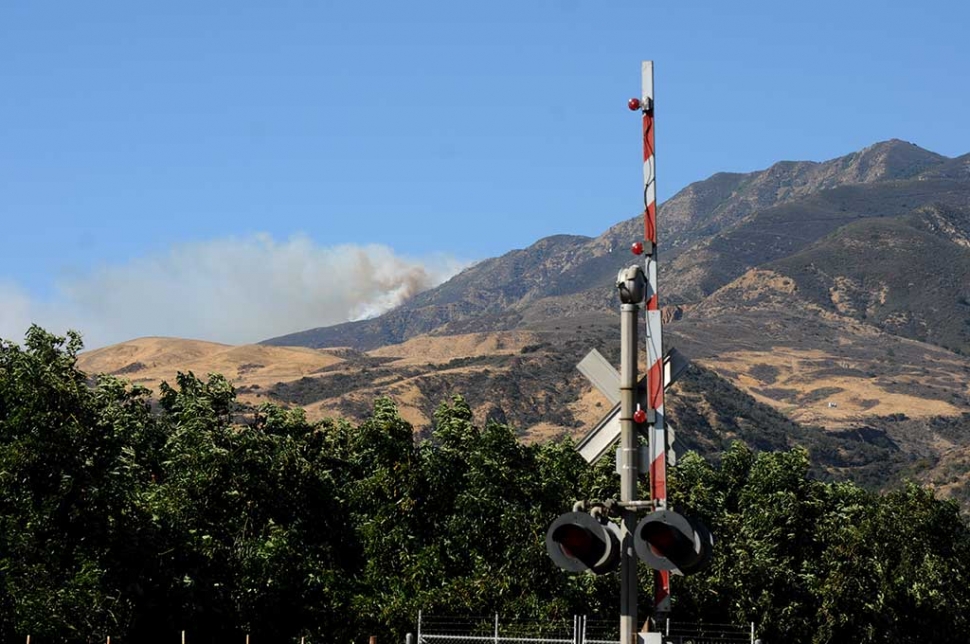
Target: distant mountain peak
(888, 160)
(712, 232)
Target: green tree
(821, 562)
(75, 462)
(257, 529)
(119, 519)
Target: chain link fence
(683, 633)
(490, 629)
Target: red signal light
(666, 540)
(575, 542)
(578, 542)
(637, 248)
(633, 104)
(639, 416)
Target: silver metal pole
(629, 466)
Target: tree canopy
(134, 518)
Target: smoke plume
(235, 290)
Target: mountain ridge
(500, 290)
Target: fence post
(409, 638)
(752, 632)
(496, 628)
(183, 636)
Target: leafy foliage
(820, 562)
(117, 519)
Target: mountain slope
(780, 231)
(149, 361)
(823, 304)
(907, 275)
(705, 208)
(491, 290)
(712, 232)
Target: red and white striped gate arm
(654, 335)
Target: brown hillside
(149, 361)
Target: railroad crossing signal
(578, 542)
(665, 540)
(606, 379)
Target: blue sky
(168, 147)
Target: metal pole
(629, 453)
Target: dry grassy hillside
(149, 361)
(869, 406)
(835, 383)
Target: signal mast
(585, 540)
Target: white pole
(655, 384)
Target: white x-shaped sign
(606, 379)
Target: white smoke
(15, 311)
(235, 290)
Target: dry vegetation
(441, 349)
(251, 367)
(800, 385)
